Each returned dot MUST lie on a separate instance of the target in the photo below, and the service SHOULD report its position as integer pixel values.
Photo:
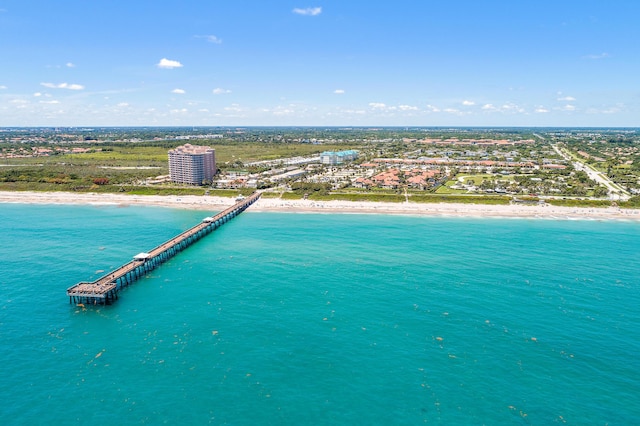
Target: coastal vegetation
(427, 165)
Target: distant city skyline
(325, 63)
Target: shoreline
(194, 202)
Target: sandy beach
(213, 203)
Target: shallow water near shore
(282, 318)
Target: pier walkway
(105, 289)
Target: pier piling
(105, 289)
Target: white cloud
(505, 108)
(349, 111)
(339, 92)
(511, 108)
(609, 110)
(168, 64)
(70, 65)
(63, 86)
(123, 104)
(567, 99)
(451, 110)
(407, 108)
(309, 11)
(613, 110)
(382, 107)
(53, 102)
(220, 91)
(233, 108)
(282, 111)
(567, 107)
(468, 103)
(541, 110)
(599, 56)
(3, 87)
(213, 39)
(210, 38)
(178, 91)
(432, 108)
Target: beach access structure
(105, 289)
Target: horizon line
(309, 127)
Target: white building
(332, 158)
(192, 164)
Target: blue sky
(319, 63)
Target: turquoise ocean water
(320, 319)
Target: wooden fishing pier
(105, 289)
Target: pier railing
(105, 289)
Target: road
(615, 191)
